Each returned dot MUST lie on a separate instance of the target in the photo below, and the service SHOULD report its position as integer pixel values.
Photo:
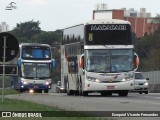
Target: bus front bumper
(95, 86)
(35, 86)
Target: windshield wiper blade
(121, 71)
(103, 71)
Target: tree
(27, 29)
(47, 38)
(148, 50)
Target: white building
(4, 27)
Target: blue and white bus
(35, 66)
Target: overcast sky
(58, 14)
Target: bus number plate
(110, 87)
(35, 86)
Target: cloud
(37, 2)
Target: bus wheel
(20, 90)
(45, 91)
(80, 88)
(123, 93)
(146, 92)
(69, 92)
(84, 93)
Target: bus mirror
(53, 63)
(136, 61)
(19, 62)
(81, 61)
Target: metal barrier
(154, 80)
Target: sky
(59, 14)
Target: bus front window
(43, 70)
(97, 61)
(34, 70)
(121, 60)
(106, 61)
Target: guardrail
(154, 80)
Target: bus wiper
(122, 71)
(91, 70)
(43, 76)
(102, 71)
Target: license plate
(35, 87)
(110, 87)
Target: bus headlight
(128, 78)
(48, 82)
(24, 82)
(124, 80)
(93, 79)
(31, 91)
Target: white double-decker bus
(98, 57)
(35, 66)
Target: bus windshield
(108, 34)
(106, 61)
(36, 70)
(34, 52)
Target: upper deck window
(36, 52)
(108, 34)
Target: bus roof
(100, 21)
(33, 44)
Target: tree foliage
(148, 49)
(31, 32)
(46, 38)
(27, 29)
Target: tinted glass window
(29, 52)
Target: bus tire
(123, 93)
(69, 92)
(46, 91)
(146, 92)
(84, 93)
(80, 87)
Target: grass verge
(9, 91)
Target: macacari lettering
(108, 27)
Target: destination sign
(109, 27)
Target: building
(141, 21)
(4, 27)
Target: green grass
(20, 105)
(9, 91)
